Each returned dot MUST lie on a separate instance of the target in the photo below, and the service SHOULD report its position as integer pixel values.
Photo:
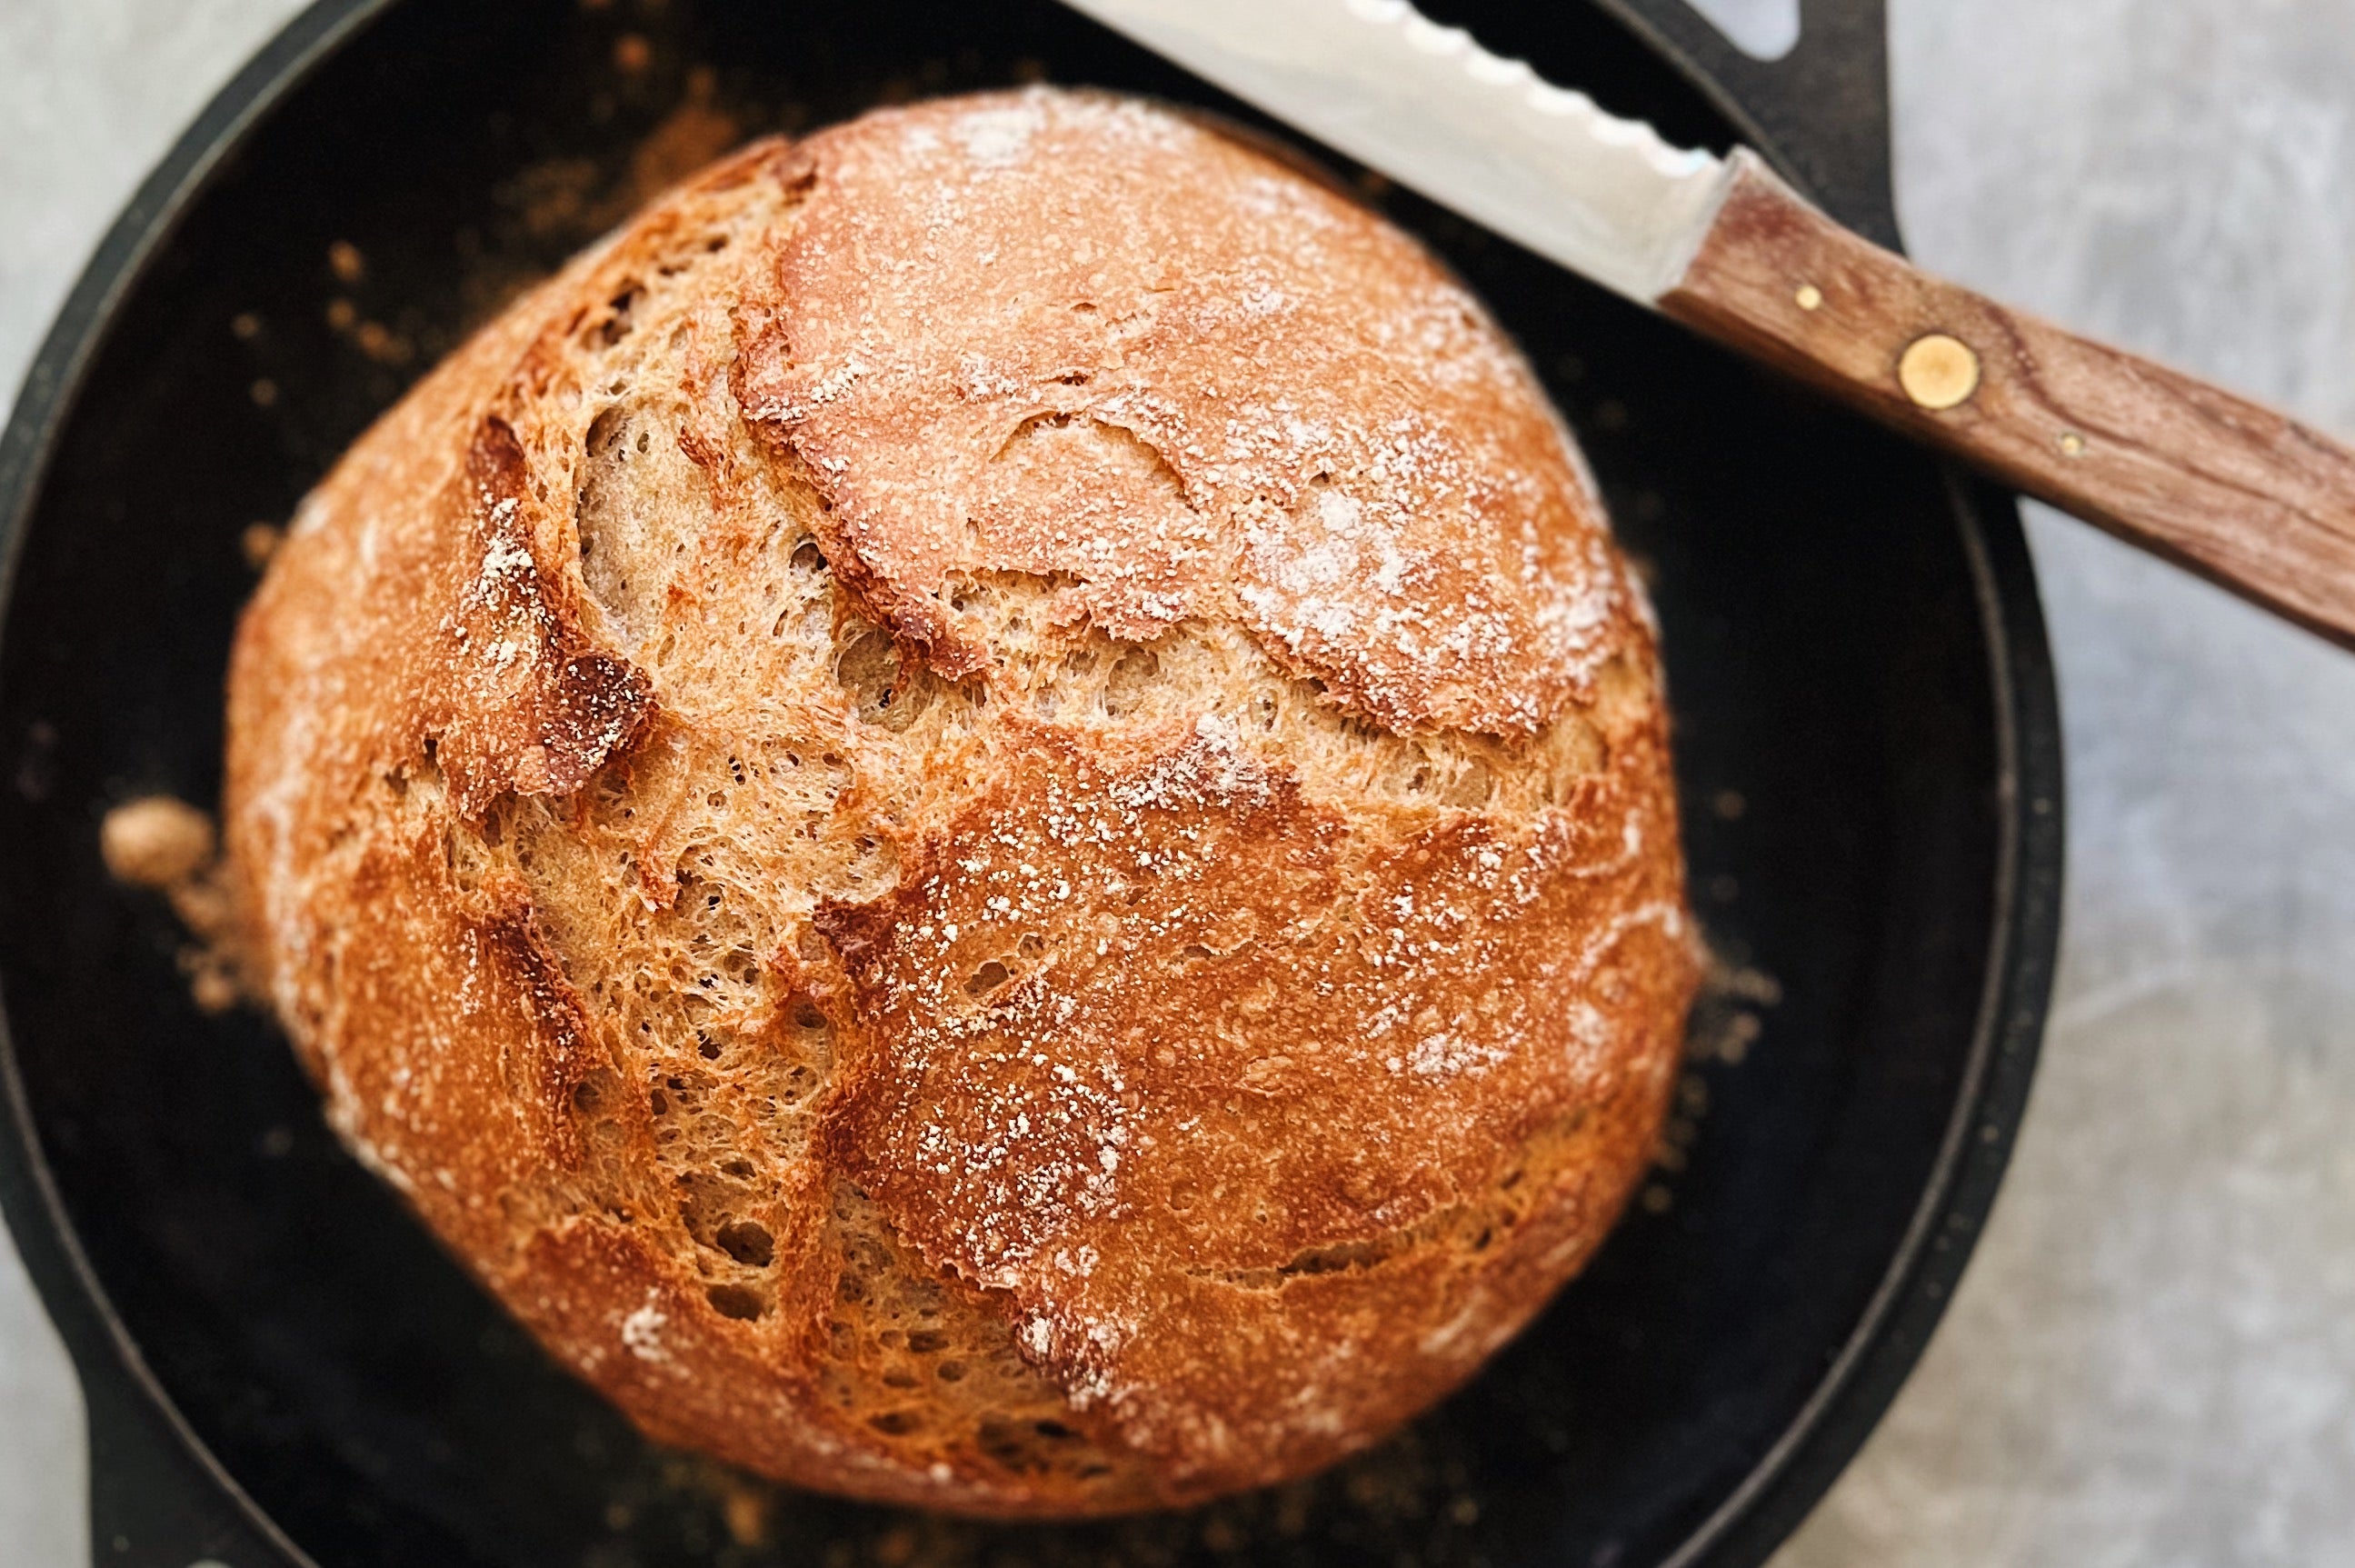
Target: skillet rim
(1856, 1386)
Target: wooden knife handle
(2234, 491)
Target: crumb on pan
(162, 843)
(155, 841)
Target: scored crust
(982, 813)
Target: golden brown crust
(982, 813)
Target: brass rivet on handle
(1809, 297)
(1938, 371)
(2072, 445)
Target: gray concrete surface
(2151, 1363)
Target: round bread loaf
(982, 813)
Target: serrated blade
(1430, 108)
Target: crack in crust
(524, 702)
(549, 1062)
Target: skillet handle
(2244, 496)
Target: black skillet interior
(1856, 670)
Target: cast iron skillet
(281, 1367)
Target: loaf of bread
(982, 813)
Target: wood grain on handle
(2222, 485)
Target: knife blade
(2225, 487)
(1430, 108)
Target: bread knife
(2234, 491)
